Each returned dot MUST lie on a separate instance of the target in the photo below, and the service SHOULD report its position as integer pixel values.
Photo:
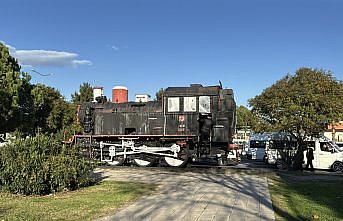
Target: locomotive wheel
(117, 161)
(143, 161)
(181, 161)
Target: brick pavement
(201, 195)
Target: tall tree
(52, 111)
(15, 98)
(5, 109)
(245, 118)
(62, 115)
(159, 94)
(26, 107)
(85, 94)
(302, 104)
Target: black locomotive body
(189, 123)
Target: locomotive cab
(208, 112)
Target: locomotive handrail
(138, 135)
(127, 138)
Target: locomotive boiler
(194, 123)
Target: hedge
(42, 165)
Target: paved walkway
(202, 195)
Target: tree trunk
(299, 156)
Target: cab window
(204, 104)
(190, 104)
(173, 104)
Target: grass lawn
(84, 204)
(306, 199)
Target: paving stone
(195, 196)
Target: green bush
(41, 165)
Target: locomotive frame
(190, 123)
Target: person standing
(310, 157)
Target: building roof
(337, 126)
(194, 89)
(120, 88)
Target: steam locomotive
(194, 123)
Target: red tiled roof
(337, 126)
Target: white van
(256, 150)
(275, 149)
(278, 145)
(327, 155)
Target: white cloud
(116, 48)
(36, 58)
(81, 62)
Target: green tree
(26, 107)
(44, 98)
(159, 94)
(16, 102)
(85, 94)
(62, 115)
(244, 118)
(5, 109)
(52, 111)
(302, 104)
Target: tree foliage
(302, 104)
(44, 98)
(61, 116)
(52, 111)
(159, 94)
(85, 94)
(245, 118)
(26, 107)
(5, 108)
(16, 102)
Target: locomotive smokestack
(119, 94)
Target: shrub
(42, 165)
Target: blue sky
(149, 44)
